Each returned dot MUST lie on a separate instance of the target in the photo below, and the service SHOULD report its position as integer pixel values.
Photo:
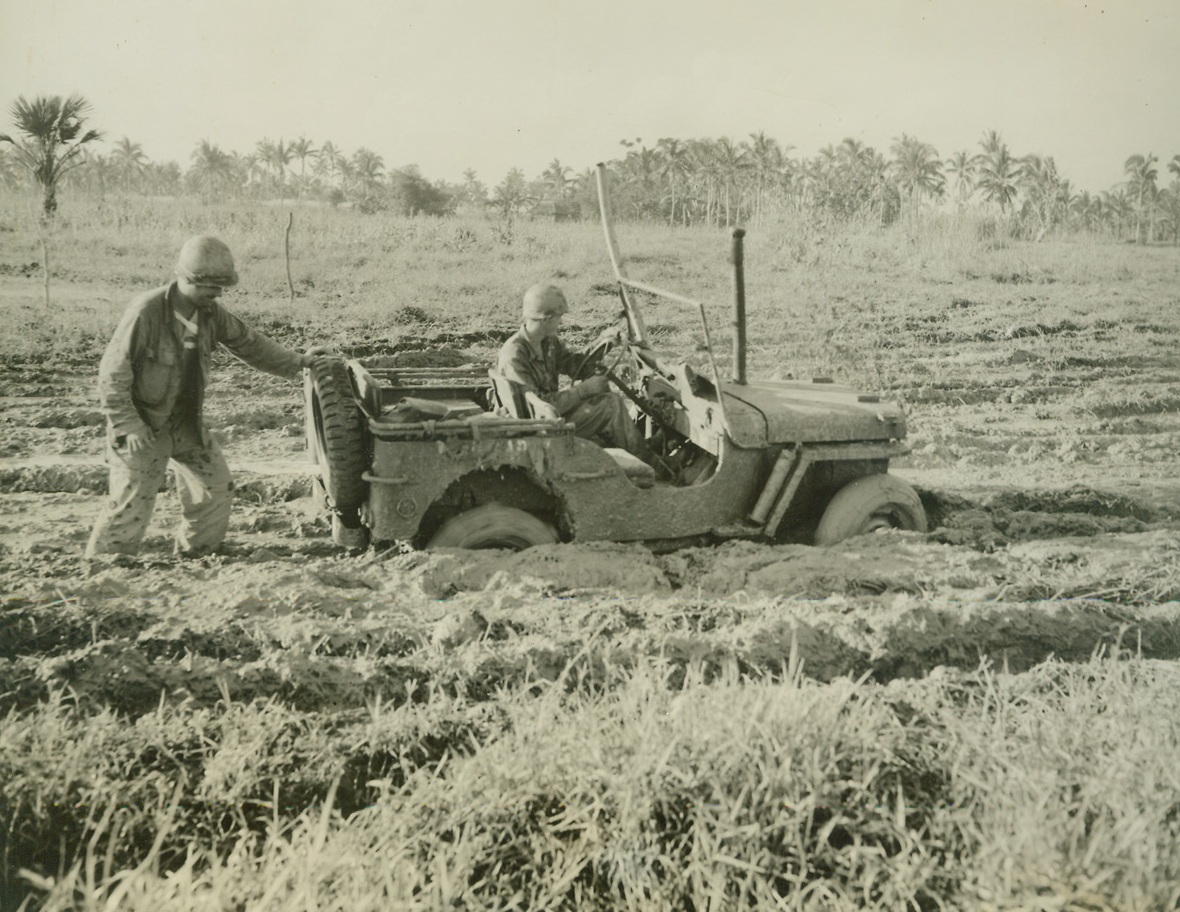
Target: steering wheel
(594, 357)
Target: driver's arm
(518, 367)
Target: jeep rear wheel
(872, 503)
(493, 526)
(337, 436)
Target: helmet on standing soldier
(205, 260)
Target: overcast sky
(492, 84)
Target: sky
(489, 85)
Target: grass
(821, 291)
(963, 790)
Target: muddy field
(1045, 424)
(1045, 454)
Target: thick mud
(1044, 451)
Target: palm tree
(163, 179)
(212, 172)
(997, 172)
(325, 160)
(129, 161)
(1141, 176)
(732, 161)
(962, 166)
(301, 149)
(53, 139)
(674, 170)
(368, 166)
(1038, 176)
(94, 173)
(917, 169)
(277, 156)
(767, 160)
(1118, 209)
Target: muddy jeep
(463, 458)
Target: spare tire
(337, 436)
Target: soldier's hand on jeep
(315, 353)
(593, 386)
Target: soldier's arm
(116, 378)
(517, 368)
(257, 349)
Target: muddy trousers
(605, 418)
(203, 483)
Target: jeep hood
(767, 412)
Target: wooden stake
(287, 253)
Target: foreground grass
(1053, 789)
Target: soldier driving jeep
(534, 357)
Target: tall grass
(1055, 789)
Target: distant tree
(556, 178)
(276, 156)
(1037, 176)
(95, 173)
(674, 170)
(767, 160)
(301, 150)
(1118, 209)
(412, 194)
(917, 169)
(473, 192)
(962, 166)
(129, 162)
(1141, 176)
(732, 162)
(998, 172)
(326, 161)
(368, 167)
(52, 141)
(512, 195)
(9, 176)
(164, 179)
(212, 171)
(1169, 204)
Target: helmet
(543, 301)
(205, 260)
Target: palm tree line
(713, 182)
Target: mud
(1044, 451)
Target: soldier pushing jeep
(151, 388)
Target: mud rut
(1047, 476)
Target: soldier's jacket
(540, 372)
(139, 379)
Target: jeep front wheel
(493, 526)
(872, 503)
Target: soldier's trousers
(605, 418)
(203, 483)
